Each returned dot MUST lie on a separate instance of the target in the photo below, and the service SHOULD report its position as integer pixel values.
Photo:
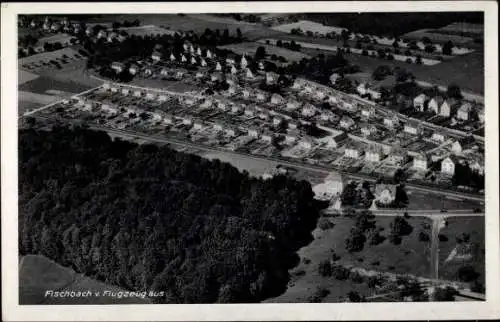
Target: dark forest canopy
(392, 23)
(144, 217)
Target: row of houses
(446, 107)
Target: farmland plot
(249, 48)
(436, 37)
(306, 25)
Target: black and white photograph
(249, 157)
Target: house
(125, 91)
(448, 165)
(332, 99)
(243, 62)
(249, 112)
(198, 51)
(480, 114)
(230, 132)
(106, 86)
(209, 54)
(331, 187)
(179, 74)
(271, 78)
(291, 137)
(200, 74)
(133, 69)
(183, 59)
(419, 102)
(117, 67)
(308, 110)
(412, 128)
(215, 77)
(368, 112)
(137, 93)
(267, 136)
(150, 96)
(164, 72)
(438, 137)
(368, 129)
(334, 77)
(361, 89)
(162, 98)
(435, 104)
(349, 106)
(346, 122)
(462, 144)
(277, 99)
(446, 107)
(186, 120)
(385, 193)
(249, 74)
(391, 122)
(108, 109)
(334, 142)
(112, 36)
(292, 125)
(191, 49)
(398, 157)
(277, 120)
(230, 61)
(233, 70)
(218, 127)
(172, 57)
(101, 34)
(373, 154)
(235, 109)
(351, 151)
(306, 143)
(327, 115)
(261, 96)
(464, 111)
(420, 162)
(203, 63)
(193, 61)
(263, 115)
(476, 167)
(188, 101)
(253, 132)
(320, 94)
(292, 105)
(198, 124)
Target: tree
(454, 91)
(325, 268)
(467, 274)
(430, 48)
(401, 198)
(399, 227)
(381, 72)
(239, 34)
(355, 242)
(354, 296)
(445, 294)
(260, 53)
(418, 61)
(447, 48)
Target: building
(448, 165)
(480, 114)
(150, 96)
(267, 136)
(327, 116)
(346, 122)
(243, 62)
(306, 143)
(419, 102)
(277, 99)
(462, 144)
(133, 69)
(464, 111)
(203, 63)
(125, 91)
(271, 78)
(385, 194)
(334, 142)
(420, 162)
(235, 109)
(398, 157)
(172, 57)
(438, 137)
(368, 112)
(230, 132)
(291, 137)
(249, 74)
(368, 129)
(218, 67)
(475, 166)
(183, 58)
(277, 120)
(218, 127)
(292, 105)
(435, 104)
(308, 110)
(193, 61)
(330, 188)
(351, 151)
(446, 107)
(391, 122)
(412, 128)
(137, 93)
(261, 96)
(253, 132)
(373, 154)
(222, 106)
(117, 67)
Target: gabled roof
(438, 99)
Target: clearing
(38, 274)
(250, 48)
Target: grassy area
(249, 48)
(43, 84)
(37, 274)
(474, 226)
(410, 257)
(164, 85)
(429, 201)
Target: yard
(456, 226)
(411, 257)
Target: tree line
(145, 217)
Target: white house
(435, 103)
(306, 143)
(412, 128)
(438, 137)
(463, 112)
(243, 62)
(183, 59)
(477, 167)
(249, 112)
(292, 125)
(420, 162)
(261, 96)
(346, 122)
(162, 98)
(385, 193)
(277, 120)
(352, 151)
(330, 188)
(219, 127)
(271, 78)
(308, 110)
(117, 67)
(368, 129)
(368, 112)
(230, 132)
(222, 106)
(137, 93)
(125, 91)
(203, 63)
(267, 136)
(156, 56)
(133, 69)
(327, 115)
(445, 109)
(391, 122)
(253, 132)
(209, 54)
(172, 57)
(291, 137)
(249, 74)
(233, 70)
(150, 96)
(292, 105)
(235, 109)
(193, 61)
(373, 154)
(198, 51)
(277, 99)
(419, 102)
(448, 166)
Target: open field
(44, 84)
(475, 227)
(163, 84)
(427, 201)
(38, 274)
(306, 25)
(463, 27)
(250, 48)
(61, 37)
(437, 37)
(467, 71)
(411, 257)
(47, 56)
(24, 76)
(149, 30)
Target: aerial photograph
(251, 158)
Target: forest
(392, 24)
(145, 217)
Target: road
(127, 134)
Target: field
(163, 84)
(24, 76)
(306, 25)
(148, 30)
(250, 48)
(462, 27)
(428, 201)
(38, 274)
(44, 84)
(437, 37)
(47, 56)
(411, 257)
(62, 38)
(475, 226)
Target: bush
(442, 238)
(391, 268)
(340, 272)
(356, 277)
(319, 294)
(353, 296)
(335, 257)
(467, 274)
(325, 223)
(356, 240)
(376, 238)
(423, 236)
(325, 268)
(409, 60)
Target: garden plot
(306, 25)
(249, 48)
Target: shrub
(318, 295)
(442, 238)
(354, 296)
(356, 277)
(467, 274)
(409, 60)
(376, 238)
(423, 236)
(340, 272)
(356, 240)
(446, 294)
